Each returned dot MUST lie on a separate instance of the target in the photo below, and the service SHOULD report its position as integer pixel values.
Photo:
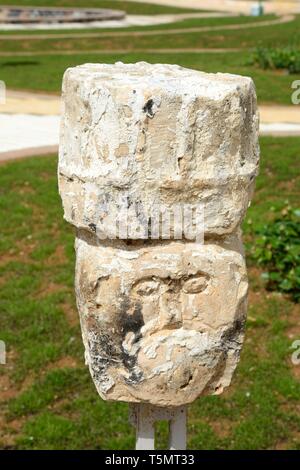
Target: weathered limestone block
(157, 135)
(162, 320)
(162, 323)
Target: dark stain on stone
(104, 352)
(231, 336)
(148, 108)
(106, 345)
(93, 227)
(129, 202)
(130, 322)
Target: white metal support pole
(145, 434)
(144, 416)
(177, 430)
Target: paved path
(280, 129)
(21, 102)
(278, 113)
(239, 6)
(29, 125)
(20, 131)
(162, 32)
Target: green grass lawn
(47, 398)
(41, 72)
(44, 73)
(278, 35)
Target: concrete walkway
(22, 102)
(280, 120)
(20, 132)
(237, 6)
(29, 124)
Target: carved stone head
(162, 319)
(161, 323)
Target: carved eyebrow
(185, 277)
(196, 275)
(168, 280)
(147, 282)
(147, 279)
(194, 288)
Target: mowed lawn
(45, 60)
(47, 398)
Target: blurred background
(47, 398)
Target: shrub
(287, 58)
(277, 248)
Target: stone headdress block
(157, 135)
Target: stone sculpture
(162, 318)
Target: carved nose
(170, 312)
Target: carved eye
(195, 285)
(147, 287)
